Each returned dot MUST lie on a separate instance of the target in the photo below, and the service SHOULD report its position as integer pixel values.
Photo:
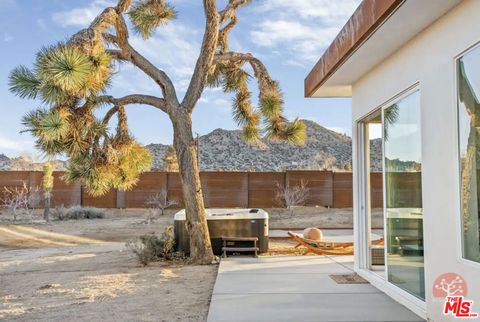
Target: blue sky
(287, 35)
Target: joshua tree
(47, 184)
(71, 79)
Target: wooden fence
(220, 189)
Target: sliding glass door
(403, 194)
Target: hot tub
(227, 222)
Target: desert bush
(291, 196)
(151, 247)
(20, 201)
(77, 212)
(157, 203)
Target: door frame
(362, 204)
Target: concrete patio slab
(297, 288)
(285, 265)
(285, 284)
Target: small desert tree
(20, 200)
(160, 201)
(47, 185)
(291, 196)
(71, 78)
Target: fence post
(120, 199)
(248, 189)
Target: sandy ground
(302, 217)
(79, 270)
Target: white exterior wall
(429, 59)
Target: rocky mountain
(4, 161)
(224, 150)
(23, 163)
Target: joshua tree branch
(117, 54)
(223, 34)
(207, 53)
(230, 9)
(134, 99)
(111, 112)
(259, 69)
(123, 5)
(131, 55)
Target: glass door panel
(403, 194)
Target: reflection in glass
(374, 191)
(469, 127)
(403, 194)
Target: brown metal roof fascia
(369, 15)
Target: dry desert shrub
(77, 212)
(20, 200)
(151, 247)
(157, 203)
(292, 196)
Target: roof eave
(366, 19)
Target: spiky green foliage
(295, 132)
(147, 15)
(232, 78)
(67, 79)
(24, 83)
(65, 67)
(215, 75)
(63, 74)
(48, 126)
(119, 167)
(271, 103)
(281, 130)
(245, 116)
(235, 79)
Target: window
(468, 70)
(403, 194)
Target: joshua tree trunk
(46, 210)
(196, 222)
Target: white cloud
(83, 16)
(174, 48)
(325, 9)
(301, 39)
(16, 144)
(301, 29)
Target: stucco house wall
(429, 60)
